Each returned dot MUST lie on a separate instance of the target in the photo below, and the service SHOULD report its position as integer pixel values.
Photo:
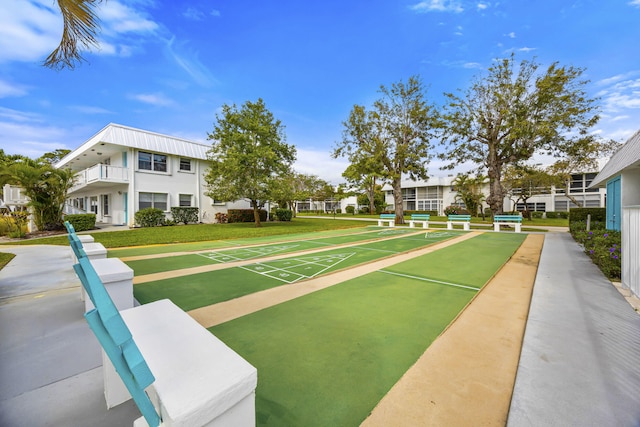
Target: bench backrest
(69, 226)
(459, 217)
(387, 216)
(424, 217)
(116, 340)
(515, 218)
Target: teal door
(614, 205)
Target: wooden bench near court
(420, 218)
(515, 220)
(465, 220)
(390, 218)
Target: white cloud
(482, 6)
(89, 109)
(437, 6)
(511, 35)
(635, 3)
(320, 163)
(156, 99)
(190, 63)
(472, 65)
(526, 49)
(215, 12)
(117, 18)
(193, 14)
(29, 135)
(29, 30)
(11, 89)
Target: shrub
(82, 222)
(536, 214)
(552, 215)
(411, 212)
(364, 210)
(455, 210)
(221, 217)
(184, 215)
(14, 224)
(284, 214)
(603, 246)
(563, 215)
(244, 215)
(338, 210)
(350, 210)
(150, 217)
(580, 214)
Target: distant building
(122, 170)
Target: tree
(248, 155)
(510, 115)
(393, 138)
(376, 201)
(45, 186)
(54, 157)
(522, 182)
(80, 26)
(469, 191)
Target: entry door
(614, 205)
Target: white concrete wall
(630, 187)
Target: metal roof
(627, 156)
(113, 137)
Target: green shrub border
(244, 215)
(82, 222)
(185, 215)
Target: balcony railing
(101, 174)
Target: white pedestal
(117, 278)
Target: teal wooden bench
(465, 220)
(176, 371)
(390, 218)
(423, 218)
(515, 220)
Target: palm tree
(80, 25)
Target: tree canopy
(393, 138)
(248, 155)
(510, 114)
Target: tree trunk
(256, 213)
(372, 195)
(570, 197)
(496, 196)
(397, 200)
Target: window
(152, 161)
(152, 200)
(105, 204)
(185, 200)
(185, 164)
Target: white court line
(301, 263)
(219, 255)
(429, 280)
(379, 250)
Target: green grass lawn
(202, 289)
(326, 359)
(199, 233)
(5, 258)
(551, 222)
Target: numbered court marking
(424, 279)
(395, 231)
(292, 270)
(246, 253)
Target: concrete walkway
(579, 363)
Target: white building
(122, 170)
(436, 194)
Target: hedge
(82, 222)
(284, 214)
(244, 215)
(580, 214)
(184, 215)
(150, 217)
(411, 212)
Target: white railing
(631, 249)
(13, 196)
(101, 173)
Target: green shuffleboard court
(176, 262)
(327, 358)
(202, 289)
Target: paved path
(580, 362)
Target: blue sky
(168, 66)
